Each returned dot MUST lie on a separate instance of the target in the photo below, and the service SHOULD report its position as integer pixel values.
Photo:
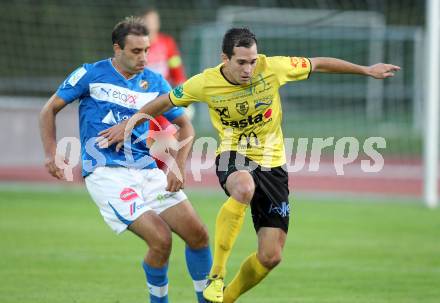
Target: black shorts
(270, 203)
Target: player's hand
(382, 70)
(176, 179)
(114, 135)
(53, 166)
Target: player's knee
(270, 259)
(244, 193)
(242, 187)
(200, 238)
(162, 244)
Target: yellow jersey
(247, 117)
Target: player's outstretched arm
(48, 135)
(334, 65)
(117, 134)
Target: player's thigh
(184, 221)
(153, 229)
(235, 174)
(271, 242)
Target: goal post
(431, 145)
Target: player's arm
(185, 135)
(334, 65)
(117, 134)
(48, 133)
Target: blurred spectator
(163, 56)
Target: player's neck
(225, 73)
(119, 68)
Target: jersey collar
(110, 61)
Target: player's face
(241, 65)
(133, 58)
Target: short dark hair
(236, 37)
(129, 26)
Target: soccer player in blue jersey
(128, 188)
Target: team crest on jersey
(242, 107)
(143, 84)
(178, 91)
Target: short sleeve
(164, 87)
(190, 91)
(174, 112)
(290, 68)
(75, 86)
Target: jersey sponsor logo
(263, 102)
(134, 207)
(223, 112)
(128, 194)
(248, 140)
(303, 62)
(112, 119)
(163, 197)
(109, 118)
(234, 96)
(76, 76)
(260, 85)
(120, 95)
(294, 61)
(268, 113)
(242, 107)
(250, 120)
(178, 91)
(283, 210)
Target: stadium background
(53, 245)
(48, 39)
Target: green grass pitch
(55, 247)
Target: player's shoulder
(96, 67)
(85, 72)
(210, 75)
(269, 60)
(293, 60)
(275, 63)
(197, 79)
(262, 57)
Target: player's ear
(224, 58)
(116, 48)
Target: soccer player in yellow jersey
(245, 108)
